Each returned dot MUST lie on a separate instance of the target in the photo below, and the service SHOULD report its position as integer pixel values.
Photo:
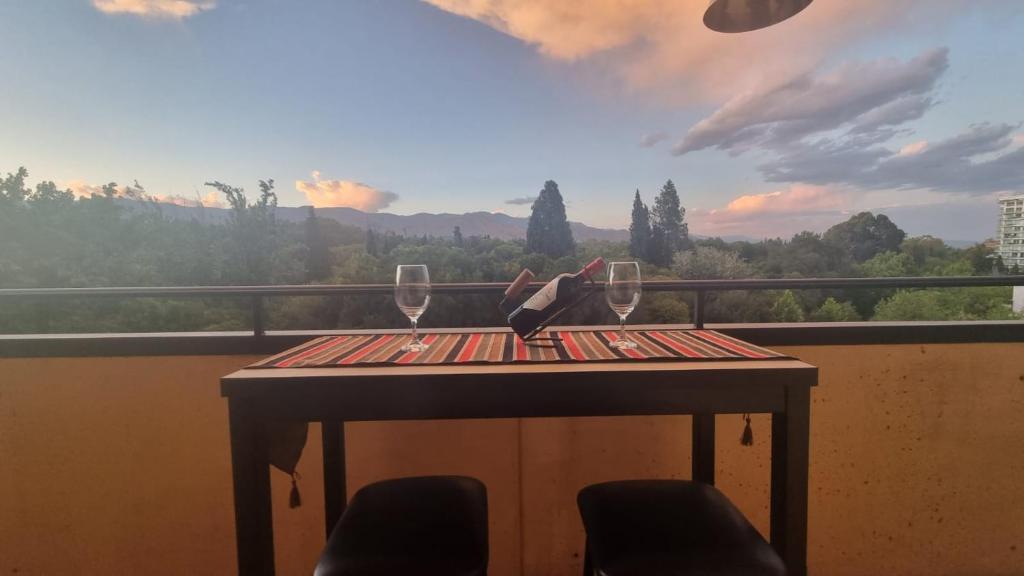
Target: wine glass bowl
(412, 295)
(622, 292)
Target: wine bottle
(563, 291)
(513, 291)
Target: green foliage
(948, 304)
(865, 235)
(927, 252)
(887, 265)
(834, 311)
(664, 308)
(640, 230)
(787, 308)
(806, 256)
(983, 260)
(118, 237)
(252, 230)
(12, 187)
(548, 230)
(318, 263)
(706, 263)
(669, 231)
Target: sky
(913, 108)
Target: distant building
(1011, 231)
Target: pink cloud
(174, 9)
(664, 47)
(210, 200)
(799, 198)
(82, 189)
(914, 148)
(344, 193)
(778, 213)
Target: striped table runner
(506, 348)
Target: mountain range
(499, 225)
(495, 225)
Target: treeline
(121, 237)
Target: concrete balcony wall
(121, 466)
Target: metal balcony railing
(257, 294)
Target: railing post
(257, 317)
(698, 309)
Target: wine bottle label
(545, 296)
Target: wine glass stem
(414, 337)
(622, 328)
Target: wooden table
(333, 396)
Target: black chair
(670, 528)
(428, 526)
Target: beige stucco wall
(121, 466)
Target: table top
(257, 381)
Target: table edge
(800, 370)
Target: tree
(707, 263)
(983, 260)
(912, 305)
(887, 265)
(640, 229)
(48, 197)
(318, 263)
(834, 311)
(926, 251)
(457, 236)
(991, 303)
(12, 188)
(666, 308)
(253, 230)
(372, 242)
(670, 232)
(548, 229)
(865, 235)
(787, 309)
(659, 252)
(805, 255)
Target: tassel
(748, 433)
(294, 499)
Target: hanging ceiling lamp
(747, 15)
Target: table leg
(790, 448)
(250, 469)
(703, 457)
(335, 489)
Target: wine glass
(412, 294)
(622, 291)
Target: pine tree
(548, 230)
(659, 252)
(318, 264)
(640, 230)
(671, 217)
(669, 231)
(457, 236)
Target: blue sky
(908, 106)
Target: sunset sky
(913, 107)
